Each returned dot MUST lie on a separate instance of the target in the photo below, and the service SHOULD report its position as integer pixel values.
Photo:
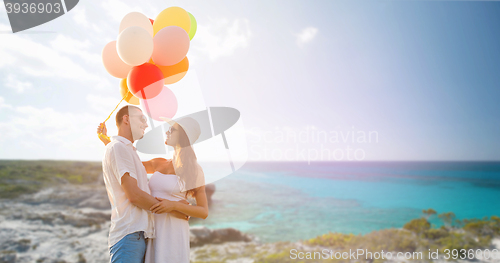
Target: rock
(46, 218)
(229, 235)
(81, 258)
(97, 201)
(200, 236)
(100, 216)
(8, 256)
(200, 233)
(83, 221)
(64, 195)
(210, 190)
(49, 260)
(21, 245)
(76, 219)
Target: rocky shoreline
(70, 223)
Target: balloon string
(102, 136)
(147, 109)
(115, 108)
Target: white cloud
(3, 104)
(36, 59)
(20, 86)
(117, 9)
(104, 84)
(48, 127)
(79, 16)
(69, 45)
(4, 27)
(101, 104)
(72, 46)
(306, 36)
(222, 37)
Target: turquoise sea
(291, 201)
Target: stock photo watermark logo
(220, 145)
(213, 122)
(311, 144)
(26, 14)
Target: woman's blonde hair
(186, 165)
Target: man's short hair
(122, 112)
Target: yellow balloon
(125, 93)
(172, 16)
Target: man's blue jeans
(130, 249)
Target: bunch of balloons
(149, 54)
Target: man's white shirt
(121, 157)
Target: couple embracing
(149, 219)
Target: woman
(172, 181)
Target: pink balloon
(171, 45)
(163, 105)
(113, 63)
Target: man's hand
(158, 208)
(102, 129)
(102, 133)
(164, 206)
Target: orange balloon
(124, 92)
(174, 73)
(113, 63)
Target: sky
(313, 80)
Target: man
(127, 187)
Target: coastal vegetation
(417, 235)
(24, 177)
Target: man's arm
(140, 198)
(200, 210)
(135, 195)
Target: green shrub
(434, 234)
(418, 226)
(21, 177)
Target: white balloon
(134, 45)
(136, 19)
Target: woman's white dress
(171, 244)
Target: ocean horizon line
(295, 161)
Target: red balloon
(145, 81)
(152, 21)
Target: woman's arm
(152, 165)
(199, 210)
(149, 165)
